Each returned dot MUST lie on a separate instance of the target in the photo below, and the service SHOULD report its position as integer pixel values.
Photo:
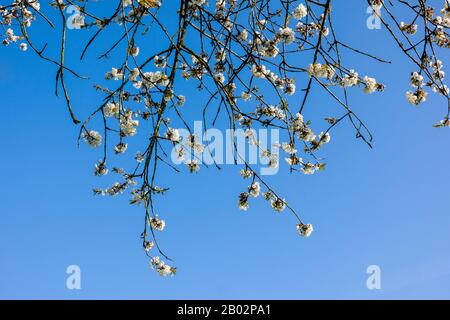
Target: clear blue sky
(387, 206)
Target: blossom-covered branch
(257, 63)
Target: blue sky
(387, 206)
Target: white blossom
(287, 35)
(243, 201)
(254, 189)
(93, 138)
(192, 165)
(278, 204)
(157, 224)
(371, 85)
(300, 12)
(259, 71)
(304, 230)
(172, 134)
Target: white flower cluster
(371, 85)
(161, 267)
(441, 36)
(157, 224)
(254, 190)
(93, 138)
(417, 81)
(350, 79)
(376, 4)
(11, 13)
(300, 12)
(321, 71)
(145, 3)
(444, 19)
(410, 29)
(172, 135)
(304, 230)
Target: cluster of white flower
(305, 133)
(172, 135)
(254, 190)
(161, 267)
(287, 35)
(120, 148)
(321, 71)
(192, 141)
(438, 76)
(157, 224)
(245, 173)
(322, 139)
(145, 3)
(160, 62)
(288, 148)
(271, 112)
(11, 12)
(351, 79)
(111, 109)
(259, 71)
(272, 158)
(443, 123)
(139, 157)
(198, 68)
(408, 28)
(300, 12)
(266, 48)
(417, 81)
(246, 96)
(371, 85)
(376, 4)
(117, 187)
(310, 168)
(221, 8)
(444, 20)
(278, 204)
(440, 35)
(192, 165)
(416, 97)
(128, 125)
(311, 29)
(148, 245)
(286, 85)
(10, 37)
(304, 230)
(100, 168)
(198, 2)
(243, 201)
(152, 79)
(219, 77)
(134, 51)
(93, 138)
(242, 35)
(419, 95)
(115, 74)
